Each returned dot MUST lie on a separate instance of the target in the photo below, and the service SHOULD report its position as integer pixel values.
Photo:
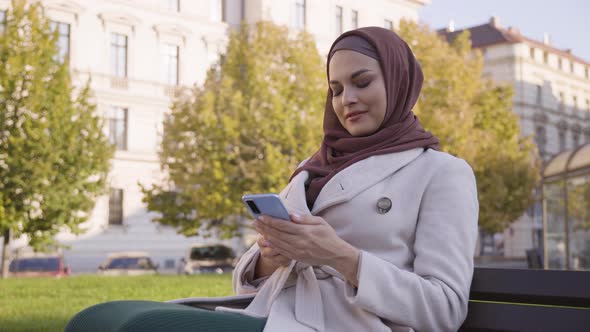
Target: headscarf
(400, 129)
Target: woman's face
(358, 92)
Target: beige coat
(416, 259)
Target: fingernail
(260, 218)
(296, 217)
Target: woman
(383, 225)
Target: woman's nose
(349, 96)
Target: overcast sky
(566, 21)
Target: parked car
(129, 263)
(38, 265)
(202, 258)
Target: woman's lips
(354, 115)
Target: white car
(130, 263)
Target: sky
(566, 21)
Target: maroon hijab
(400, 129)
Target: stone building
(551, 98)
(136, 53)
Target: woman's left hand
(310, 240)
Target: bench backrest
(528, 300)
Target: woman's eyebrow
(353, 75)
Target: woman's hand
(310, 240)
(269, 259)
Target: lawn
(46, 304)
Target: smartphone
(266, 204)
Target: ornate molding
(66, 6)
(172, 29)
(540, 118)
(119, 18)
(562, 125)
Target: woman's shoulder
(444, 162)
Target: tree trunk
(4, 263)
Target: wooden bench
(528, 300)
(503, 300)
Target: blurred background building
(136, 53)
(551, 98)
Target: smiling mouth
(354, 115)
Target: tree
(473, 118)
(258, 115)
(54, 157)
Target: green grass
(46, 304)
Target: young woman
(383, 227)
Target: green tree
(474, 120)
(54, 157)
(258, 114)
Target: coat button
(383, 205)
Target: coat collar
(348, 183)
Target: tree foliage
(257, 115)
(474, 120)
(54, 157)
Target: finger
(268, 252)
(282, 247)
(262, 242)
(284, 226)
(305, 220)
(271, 234)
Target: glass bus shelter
(566, 210)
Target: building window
(576, 139)
(571, 66)
(588, 105)
(532, 52)
(300, 14)
(172, 5)
(118, 55)
(559, 63)
(217, 10)
(561, 135)
(355, 19)
(541, 139)
(562, 101)
(539, 95)
(545, 57)
(388, 24)
(3, 21)
(575, 103)
(118, 127)
(63, 39)
(338, 20)
(587, 72)
(587, 135)
(116, 207)
(169, 56)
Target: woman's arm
(434, 296)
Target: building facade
(551, 98)
(136, 53)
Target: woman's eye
(363, 84)
(336, 92)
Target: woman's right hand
(269, 259)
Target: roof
(492, 33)
(568, 161)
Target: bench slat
(510, 317)
(550, 287)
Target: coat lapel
(293, 195)
(359, 176)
